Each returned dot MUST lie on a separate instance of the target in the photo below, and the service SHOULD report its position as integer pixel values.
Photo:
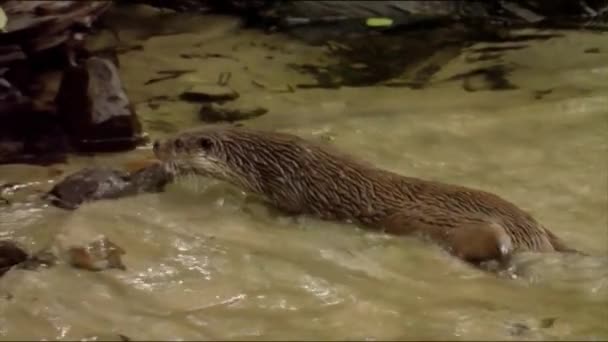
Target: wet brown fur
(302, 177)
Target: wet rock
(592, 50)
(11, 53)
(92, 184)
(548, 322)
(410, 13)
(488, 78)
(12, 99)
(518, 329)
(209, 93)
(106, 337)
(35, 26)
(94, 106)
(38, 260)
(213, 112)
(10, 255)
(176, 5)
(151, 178)
(32, 138)
(39, 36)
(98, 255)
(10, 150)
(89, 184)
(124, 337)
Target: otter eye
(205, 143)
(179, 144)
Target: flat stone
(229, 112)
(209, 93)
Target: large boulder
(39, 37)
(95, 108)
(35, 26)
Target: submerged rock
(209, 93)
(98, 255)
(93, 103)
(106, 337)
(213, 112)
(41, 259)
(10, 255)
(92, 184)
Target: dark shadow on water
(406, 57)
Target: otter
(301, 177)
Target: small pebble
(99, 255)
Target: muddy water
(204, 261)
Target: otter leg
(474, 241)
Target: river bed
(205, 262)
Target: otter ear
(205, 143)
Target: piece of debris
(206, 56)
(98, 255)
(224, 78)
(213, 112)
(276, 89)
(168, 75)
(209, 93)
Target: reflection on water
(204, 261)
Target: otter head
(211, 152)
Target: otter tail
(559, 245)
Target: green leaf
(3, 20)
(379, 22)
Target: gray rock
(228, 112)
(96, 108)
(10, 255)
(209, 93)
(91, 184)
